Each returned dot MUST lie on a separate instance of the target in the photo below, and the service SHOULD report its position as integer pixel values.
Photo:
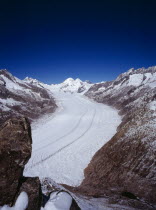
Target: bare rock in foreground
(32, 186)
(15, 151)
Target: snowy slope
(19, 97)
(58, 201)
(127, 161)
(64, 143)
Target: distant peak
(71, 80)
(29, 79)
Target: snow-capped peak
(68, 81)
(31, 80)
(78, 80)
(72, 85)
(72, 81)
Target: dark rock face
(74, 206)
(127, 163)
(81, 89)
(15, 151)
(32, 186)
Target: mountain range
(126, 164)
(30, 97)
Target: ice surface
(64, 143)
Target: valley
(97, 138)
(66, 141)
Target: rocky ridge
(23, 98)
(127, 163)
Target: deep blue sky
(95, 40)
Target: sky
(51, 40)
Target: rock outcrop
(127, 163)
(15, 151)
(32, 186)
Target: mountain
(72, 86)
(69, 85)
(19, 97)
(126, 165)
(30, 97)
(32, 81)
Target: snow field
(64, 143)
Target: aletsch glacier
(65, 142)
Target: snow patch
(21, 203)
(135, 79)
(153, 105)
(58, 201)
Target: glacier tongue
(64, 143)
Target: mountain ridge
(127, 162)
(18, 98)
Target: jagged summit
(31, 80)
